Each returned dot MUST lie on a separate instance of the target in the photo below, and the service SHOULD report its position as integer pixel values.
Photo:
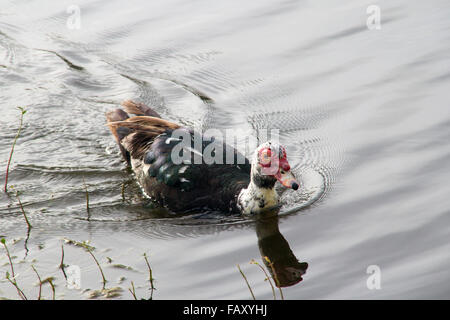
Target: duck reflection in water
(284, 266)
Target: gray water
(363, 113)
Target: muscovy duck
(151, 146)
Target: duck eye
(265, 156)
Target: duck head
(269, 165)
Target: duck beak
(285, 176)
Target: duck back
(171, 165)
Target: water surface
(363, 114)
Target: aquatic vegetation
(87, 201)
(49, 280)
(267, 278)
(107, 293)
(151, 280)
(12, 277)
(275, 277)
(89, 250)
(114, 292)
(246, 281)
(99, 267)
(23, 210)
(84, 244)
(61, 264)
(40, 282)
(133, 291)
(23, 111)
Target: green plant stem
(275, 277)
(23, 111)
(246, 281)
(123, 192)
(99, 267)
(9, 258)
(40, 281)
(133, 291)
(267, 277)
(19, 291)
(61, 265)
(87, 201)
(50, 282)
(152, 287)
(14, 283)
(23, 212)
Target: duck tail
(119, 133)
(131, 131)
(139, 109)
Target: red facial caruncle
(265, 157)
(275, 164)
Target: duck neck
(260, 195)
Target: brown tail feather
(119, 133)
(136, 134)
(144, 121)
(115, 116)
(139, 109)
